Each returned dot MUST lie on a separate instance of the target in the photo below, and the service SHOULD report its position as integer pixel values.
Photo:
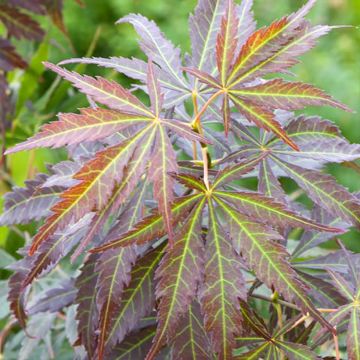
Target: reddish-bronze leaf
(178, 275)
(191, 340)
(280, 94)
(163, 162)
(104, 91)
(9, 58)
(226, 43)
(223, 286)
(98, 176)
(90, 125)
(19, 24)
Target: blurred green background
(333, 66)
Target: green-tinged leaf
(223, 286)
(151, 227)
(258, 47)
(324, 191)
(285, 56)
(178, 276)
(191, 340)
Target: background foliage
(38, 95)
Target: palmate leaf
(270, 345)
(223, 287)
(101, 174)
(179, 275)
(191, 341)
(267, 258)
(169, 239)
(289, 284)
(257, 103)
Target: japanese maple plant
(175, 254)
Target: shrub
(183, 258)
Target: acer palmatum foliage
(179, 248)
